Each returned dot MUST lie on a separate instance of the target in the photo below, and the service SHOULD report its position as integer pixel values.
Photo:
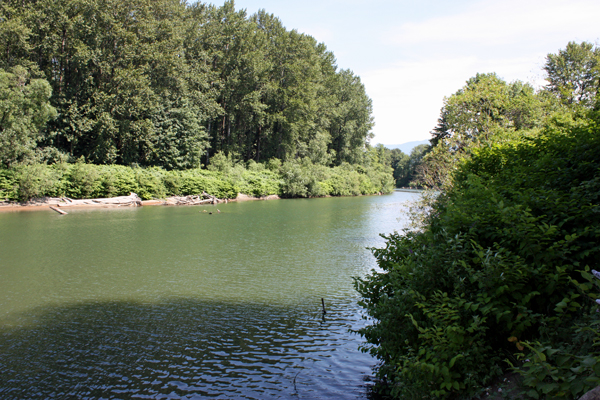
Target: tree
(24, 111)
(351, 120)
(14, 37)
(399, 162)
(573, 74)
(486, 105)
(406, 168)
(161, 82)
(486, 110)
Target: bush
(295, 180)
(9, 186)
(83, 181)
(150, 183)
(119, 180)
(197, 181)
(498, 269)
(37, 180)
(224, 179)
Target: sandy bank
(126, 201)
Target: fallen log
(58, 210)
(212, 198)
(132, 200)
(187, 201)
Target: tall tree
(351, 120)
(161, 82)
(24, 111)
(484, 106)
(573, 74)
(486, 110)
(14, 37)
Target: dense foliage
(24, 111)
(489, 110)
(170, 84)
(496, 261)
(405, 167)
(224, 179)
(498, 277)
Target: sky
(412, 54)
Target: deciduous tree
(24, 111)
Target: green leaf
(589, 361)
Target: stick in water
(323, 303)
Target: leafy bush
(119, 181)
(37, 180)
(83, 181)
(497, 267)
(150, 183)
(8, 185)
(295, 180)
(198, 181)
(221, 162)
(225, 179)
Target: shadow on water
(182, 348)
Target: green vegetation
(405, 167)
(498, 276)
(224, 179)
(24, 111)
(166, 86)
(169, 84)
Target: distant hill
(406, 147)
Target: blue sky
(410, 54)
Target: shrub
(83, 181)
(119, 180)
(37, 180)
(9, 186)
(150, 183)
(197, 181)
(225, 179)
(496, 270)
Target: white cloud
(497, 23)
(436, 56)
(407, 97)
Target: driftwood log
(133, 200)
(186, 201)
(204, 198)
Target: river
(176, 303)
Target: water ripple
(183, 349)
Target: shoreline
(45, 204)
(50, 203)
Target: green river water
(172, 303)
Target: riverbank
(289, 179)
(63, 203)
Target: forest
(170, 85)
(494, 281)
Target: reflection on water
(170, 303)
(184, 349)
